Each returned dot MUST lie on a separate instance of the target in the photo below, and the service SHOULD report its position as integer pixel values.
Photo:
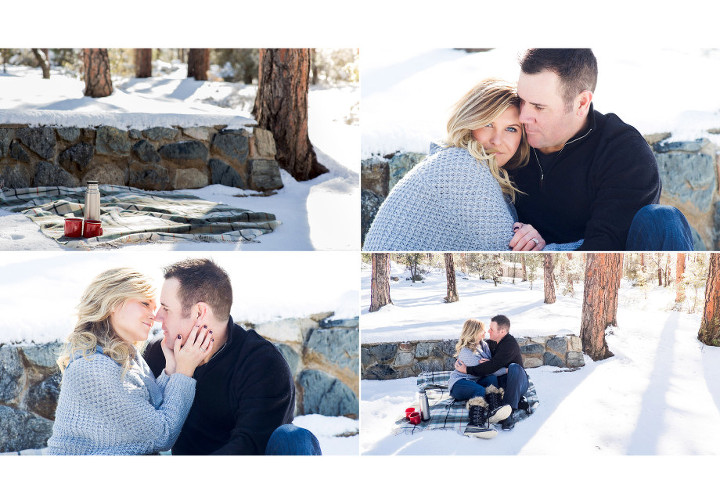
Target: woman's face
(479, 336)
(133, 319)
(502, 136)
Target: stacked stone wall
(159, 158)
(389, 361)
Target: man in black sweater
(505, 354)
(590, 177)
(245, 393)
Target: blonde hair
(467, 337)
(479, 107)
(108, 291)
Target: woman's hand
(526, 238)
(194, 351)
(460, 366)
(169, 357)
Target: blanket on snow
(446, 412)
(131, 215)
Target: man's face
(170, 314)
(548, 123)
(496, 333)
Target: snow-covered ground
(659, 394)
(407, 93)
(320, 214)
(39, 292)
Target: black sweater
(591, 189)
(503, 354)
(242, 395)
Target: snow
(407, 93)
(659, 394)
(320, 214)
(40, 290)
(337, 435)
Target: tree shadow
(650, 422)
(710, 357)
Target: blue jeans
(464, 389)
(291, 440)
(659, 227)
(515, 383)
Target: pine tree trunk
(549, 266)
(42, 57)
(679, 285)
(710, 326)
(143, 63)
(198, 64)
(380, 282)
(452, 294)
(98, 82)
(600, 303)
(281, 106)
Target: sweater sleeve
(264, 399)
(627, 180)
(409, 219)
(124, 408)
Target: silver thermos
(92, 201)
(424, 405)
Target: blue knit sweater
(101, 412)
(448, 202)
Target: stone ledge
(389, 361)
(158, 158)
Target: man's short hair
(502, 322)
(576, 68)
(201, 280)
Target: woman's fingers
(526, 239)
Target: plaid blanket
(446, 412)
(131, 215)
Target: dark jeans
(291, 440)
(659, 227)
(515, 383)
(464, 389)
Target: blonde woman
(110, 403)
(472, 350)
(461, 196)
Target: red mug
(93, 228)
(415, 418)
(408, 412)
(73, 227)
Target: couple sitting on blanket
(489, 375)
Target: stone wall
(322, 354)
(160, 158)
(388, 361)
(688, 170)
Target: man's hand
(526, 238)
(460, 366)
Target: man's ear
(583, 102)
(201, 312)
